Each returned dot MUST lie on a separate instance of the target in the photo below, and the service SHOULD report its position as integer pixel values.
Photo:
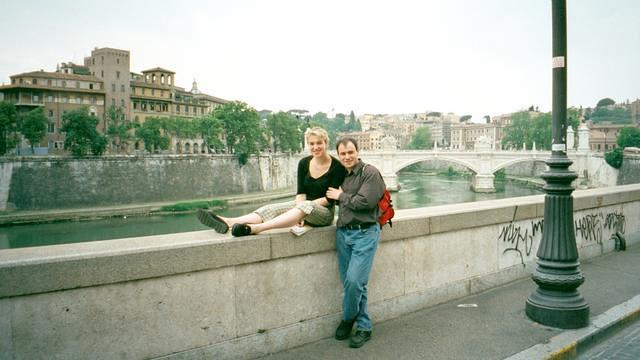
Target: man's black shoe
(359, 338)
(344, 329)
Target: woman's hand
(333, 193)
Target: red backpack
(386, 209)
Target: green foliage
(211, 129)
(629, 137)
(605, 102)
(8, 118)
(284, 132)
(517, 132)
(526, 130)
(464, 118)
(434, 113)
(614, 158)
(617, 115)
(33, 126)
(242, 127)
(500, 175)
(119, 128)
(193, 205)
(81, 134)
(152, 133)
(421, 139)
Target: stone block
(407, 226)
(134, 320)
(6, 339)
(111, 261)
(488, 281)
(471, 219)
(444, 258)
(286, 291)
(285, 244)
(387, 276)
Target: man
(357, 238)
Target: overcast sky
(394, 56)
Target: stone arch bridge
(483, 163)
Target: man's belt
(358, 226)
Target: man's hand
(333, 193)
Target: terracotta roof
(57, 75)
(158, 69)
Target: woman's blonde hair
(317, 132)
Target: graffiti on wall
(590, 228)
(520, 239)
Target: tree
(605, 102)
(8, 117)
(81, 134)
(421, 139)
(284, 132)
(464, 118)
(152, 133)
(628, 137)
(119, 128)
(517, 132)
(242, 128)
(33, 126)
(617, 115)
(211, 129)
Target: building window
(35, 81)
(121, 88)
(152, 106)
(102, 73)
(50, 113)
(117, 61)
(77, 84)
(177, 108)
(65, 99)
(143, 91)
(91, 86)
(51, 128)
(137, 119)
(135, 105)
(93, 100)
(50, 98)
(64, 83)
(113, 87)
(102, 60)
(35, 98)
(117, 74)
(143, 106)
(153, 92)
(93, 61)
(122, 102)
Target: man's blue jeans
(356, 249)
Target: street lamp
(556, 302)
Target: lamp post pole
(556, 302)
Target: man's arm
(367, 196)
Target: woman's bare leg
(252, 218)
(287, 219)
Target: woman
(316, 173)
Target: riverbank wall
(39, 183)
(203, 295)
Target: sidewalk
(498, 327)
(30, 216)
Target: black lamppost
(556, 302)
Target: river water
(417, 190)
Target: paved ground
(624, 345)
(496, 329)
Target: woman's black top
(316, 188)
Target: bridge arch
(408, 163)
(515, 162)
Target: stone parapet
(204, 295)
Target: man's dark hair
(345, 140)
